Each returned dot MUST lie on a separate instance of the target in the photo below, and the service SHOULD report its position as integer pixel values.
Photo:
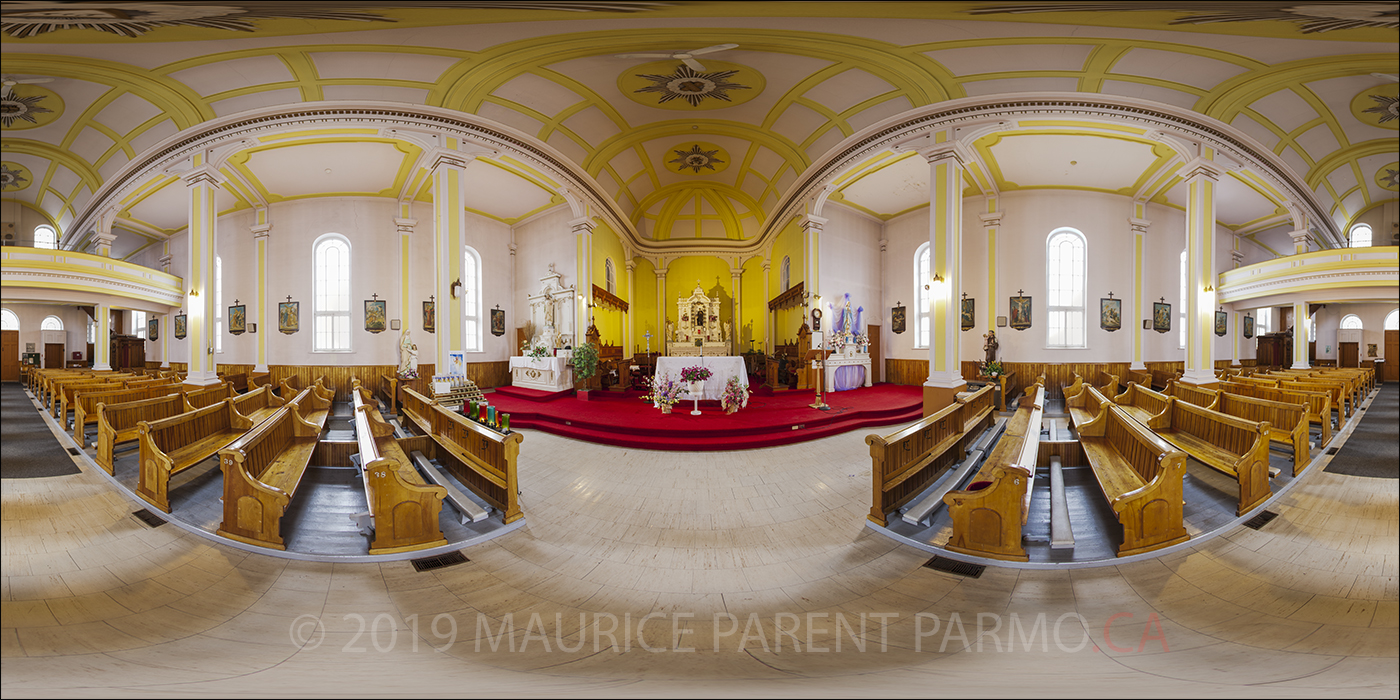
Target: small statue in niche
(726, 332)
(670, 331)
(408, 357)
(991, 346)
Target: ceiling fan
(686, 57)
(10, 80)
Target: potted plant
(992, 369)
(735, 396)
(665, 392)
(585, 363)
(695, 377)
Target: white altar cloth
(722, 368)
(543, 373)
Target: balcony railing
(1334, 269)
(67, 270)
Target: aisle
(28, 448)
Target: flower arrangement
(409, 373)
(837, 342)
(992, 369)
(735, 396)
(696, 374)
(665, 392)
(536, 352)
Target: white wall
(1329, 319)
(75, 322)
(541, 241)
(850, 263)
(25, 220)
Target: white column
(1300, 241)
(736, 279)
(1236, 260)
(627, 330)
(661, 305)
(1138, 226)
(449, 228)
(945, 267)
(203, 184)
(768, 320)
(407, 313)
(1201, 178)
(1300, 335)
(104, 236)
(102, 339)
(165, 328)
(583, 241)
(811, 252)
(991, 221)
(260, 314)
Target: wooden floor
(97, 603)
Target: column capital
(1200, 167)
(1138, 226)
(202, 175)
(582, 225)
(934, 152)
(736, 272)
(1237, 257)
(660, 274)
(447, 158)
(884, 247)
(513, 247)
(812, 221)
(990, 219)
(104, 238)
(165, 263)
(631, 264)
(405, 225)
(1300, 240)
(261, 230)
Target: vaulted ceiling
(691, 146)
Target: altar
(722, 370)
(847, 369)
(699, 333)
(543, 373)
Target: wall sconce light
(194, 292)
(1209, 289)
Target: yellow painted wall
(644, 308)
(713, 275)
(788, 243)
(606, 244)
(755, 311)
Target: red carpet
(623, 419)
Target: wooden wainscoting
(906, 372)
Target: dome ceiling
(691, 146)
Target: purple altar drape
(849, 377)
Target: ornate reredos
(699, 317)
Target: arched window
(1065, 263)
(52, 323)
(331, 296)
(1312, 331)
(1392, 320)
(92, 331)
(45, 237)
(1361, 236)
(785, 274)
(610, 275)
(1351, 322)
(138, 323)
(218, 304)
(1181, 307)
(8, 320)
(471, 300)
(1263, 320)
(922, 264)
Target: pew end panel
(984, 515)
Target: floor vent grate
(74, 451)
(1332, 450)
(151, 519)
(955, 567)
(1259, 521)
(430, 563)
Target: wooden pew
(482, 459)
(1230, 445)
(1140, 403)
(1107, 384)
(258, 405)
(989, 515)
(1318, 403)
(64, 392)
(405, 508)
(1141, 477)
(1288, 423)
(904, 463)
(1143, 377)
(1075, 387)
(1337, 390)
(61, 389)
(208, 396)
(1161, 378)
(977, 408)
(117, 423)
(262, 470)
(312, 407)
(1190, 393)
(172, 445)
(257, 379)
(85, 403)
(1353, 385)
(1085, 406)
(239, 381)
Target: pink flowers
(696, 374)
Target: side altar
(848, 366)
(552, 326)
(699, 331)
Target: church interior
(635, 347)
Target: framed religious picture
(969, 317)
(457, 363)
(430, 316)
(897, 319)
(498, 321)
(376, 315)
(1372, 349)
(1110, 314)
(153, 329)
(180, 326)
(1161, 317)
(1221, 320)
(1020, 312)
(289, 316)
(1249, 326)
(238, 319)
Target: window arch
(923, 261)
(52, 323)
(1392, 320)
(785, 274)
(45, 237)
(471, 300)
(610, 276)
(330, 302)
(1181, 307)
(8, 320)
(1351, 322)
(1360, 236)
(1066, 257)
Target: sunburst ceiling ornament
(14, 177)
(686, 83)
(1378, 106)
(1310, 17)
(700, 156)
(23, 105)
(1386, 177)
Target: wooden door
(53, 355)
(1392, 356)
(876, 363)
(9, 356)
(1350, 355)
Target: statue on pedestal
(991, 346)
(408, 357)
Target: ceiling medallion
(1385, 177)
(699, 155)
(14, 177)
(1377, 106)
(24, 107)
(691, 85)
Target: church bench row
(1288, 423)
(1337, 390)
(117, 423)
(482, 459)
(1317, 403)
(85, 403)
(62, 394)
(1350, 395)
(1106, 383)
(904, 463)
(72, 394)
(44, 383)
(293, 386)
(54, 393)
(172, 445)
(258, 404)
(988, 516)
(1140, 476)
(262, 471)
(404, 508)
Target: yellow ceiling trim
(1161, 196)
(1231, 96)
(1362, 183)
(124, 144)
(57, 156)
(1267, 193)
(609, 149)
(522, 171)
(255, 89)
(182, 104)
(236, 186)
(840, 198)
(151, 186)
(674, 190)
(304, 74)
(1358, 151)
(35, 208)
(744, 170)
(1255, 222)
(861, 168)
(590, 96)
(1199, 51)
(126, 216)
(832, 117)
